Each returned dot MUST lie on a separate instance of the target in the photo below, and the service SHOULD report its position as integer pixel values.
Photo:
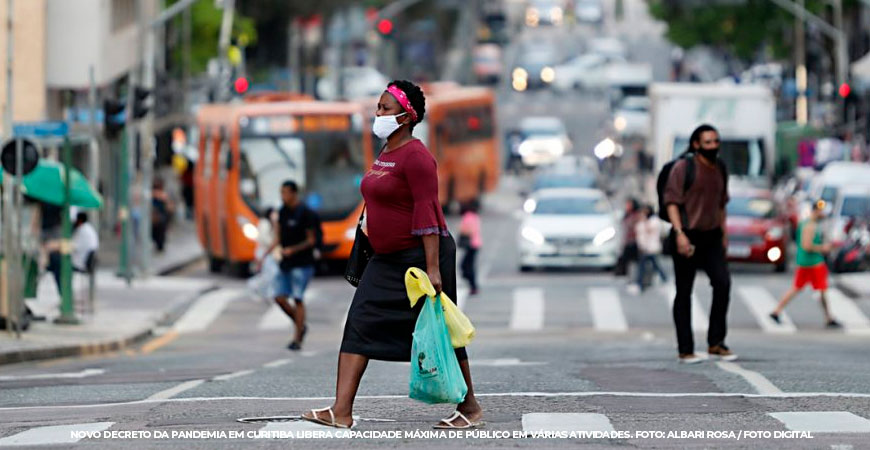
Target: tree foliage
(205, 32)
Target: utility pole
(800, 54)
(94, 164)
(146, 53)
(8, 294)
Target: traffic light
(241, 85)
(140, 108)
(385, 27)
(113, 117)
(844, 90)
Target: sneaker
(294, 346)
(689, 358)
(722, 352)
(833, 324)
(775, 317)
(633, 289)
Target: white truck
(745, 116)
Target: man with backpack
(297, 234)
(695, 191)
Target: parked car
(544, 140)
(568, 227)
(544, 12)
(535, 67)
(757, 230)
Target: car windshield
(543, 129)
(327, 166)
(856, 206)
(759, 208)
(572, 206)
(829, 193)
(564, 181)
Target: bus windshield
(328, 168)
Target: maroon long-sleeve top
(401, 195)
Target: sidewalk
(124, 315)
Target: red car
(757, 230)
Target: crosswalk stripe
(844, 310)
(823, 421)
(462, 293)
(566, 422)
(606, 308)
(199, 316)
(274, 319)
(528, 309)
(56, 434)
(761, 303)
(700, 320)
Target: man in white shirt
(84, 241)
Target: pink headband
(403, 100)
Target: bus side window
(208, 144)
(224, 158)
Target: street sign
(54, 128)
(8, 156)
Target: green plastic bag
(435, 373)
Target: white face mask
(384, 126)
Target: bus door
(214, 146)
(224, 157)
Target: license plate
(739, 251)
(571, 251)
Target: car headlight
(774, 254)
(530, 205)
(775, 233)
(604, 235)
(548, 74)
(556, 15)
(519, 72)
(532, 235)
(250, 231)
(619, 123)
(520, 84)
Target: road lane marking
(278, 363)
(788, 395)
(498, 362)
(205, 310)
(761, 303)
(823, 421)
(230, 376)
(565, 422)
(758, 381)
(528, 309)
(175, 390)
(606, 308)
(462, 293)
(845, 311)
(44, 376)
(274, 319)
(700, 318)
(158, 342)
(54, 435)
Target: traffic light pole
(67, 311)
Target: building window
(123, 14)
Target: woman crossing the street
(406, 228)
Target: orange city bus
(459, 129)
(247, 150)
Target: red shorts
(817, 276)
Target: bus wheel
(241, 269)
(215, 265)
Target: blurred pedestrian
(649, 244)
(407, 229)
(470, 241)
(162, 208)
(812, 268)
(263, 283)
(629, 238)
(296, 234)
(85, 242)
(696, 209)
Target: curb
(170, 315)
(181, 265)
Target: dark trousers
(710, 257)
(643, 261)
(629, 254)
(469, 267)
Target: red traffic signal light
(241, 85)
(845, 90)
(385, 26)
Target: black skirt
(380, 322)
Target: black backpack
(665, 173)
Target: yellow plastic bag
(460, 328)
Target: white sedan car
(568, 227)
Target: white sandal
(331, 423)
(449, 425)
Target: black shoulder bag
(360, 254)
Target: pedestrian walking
(406, 228)
(162, 209)
(263, 283)
(629, 238)
(695, 196)
(812, 268)
(649, 244)
(295, 233)
(470, 241)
